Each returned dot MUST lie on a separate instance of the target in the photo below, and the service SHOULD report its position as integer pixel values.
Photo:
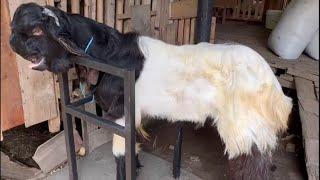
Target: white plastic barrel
(313, 47)
(297, 25)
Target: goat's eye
(37, 31)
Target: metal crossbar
(69, 109)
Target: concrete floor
(100, 164)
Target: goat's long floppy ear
(55, 24)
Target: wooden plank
(186, 32)
(286, 83)
(93, 9)
(137, 2)
(127, 25)
(75, 6)
(310, 105)
(119, 10)
(37, 88)
(192, 30)
(305, 75)
(213, 30)
(100, 11)
(55, 123)
(156, 19)
(164, 16)
(180, 31)
(11, 100)
(86, 7)
(63, 5)
(110, 12)
(286, 77)
(141, 19)
(144, 2)
(183, 9)
(128, 15)
(53, 152)
(50, 2)
(171, 33)
(305, 89)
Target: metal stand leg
(177, 154)
(72, 161)
(68, 126)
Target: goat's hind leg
(254, 166)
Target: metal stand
(177, 154)
(204, 16)
(68, 110)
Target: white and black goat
(232, 84)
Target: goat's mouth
(38, 63)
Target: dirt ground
(20, 143)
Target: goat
(232, 84)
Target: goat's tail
(278, 108)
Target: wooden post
(204, 15)
(100, 11)
(109, 12)
(75, 6)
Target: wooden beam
(129, 15)
(183, 9)
(11, 100)
(100, 11)
(110, 12)
(75, 6)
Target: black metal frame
(69, 109)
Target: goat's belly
(192, 102)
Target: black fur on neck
(110, 46)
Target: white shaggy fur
(230, 83)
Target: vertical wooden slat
(249, 9)
(137, 2)
(213, 30)
(186, 31)
(93, 9)
(164, 16)
(11, 100)
(144, 2)
(180, 31)
(110, 12)
(192, 30)
(75, 6)
(86, 8)
(127, 25)
(119, 10)
(256, 10)
(100, 11)
(171, 33)
(155, 20)
(261, 9)
(50, 2)
(63, 5)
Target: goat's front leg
(118, 150)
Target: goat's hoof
(121, 167)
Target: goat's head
(39, 35)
